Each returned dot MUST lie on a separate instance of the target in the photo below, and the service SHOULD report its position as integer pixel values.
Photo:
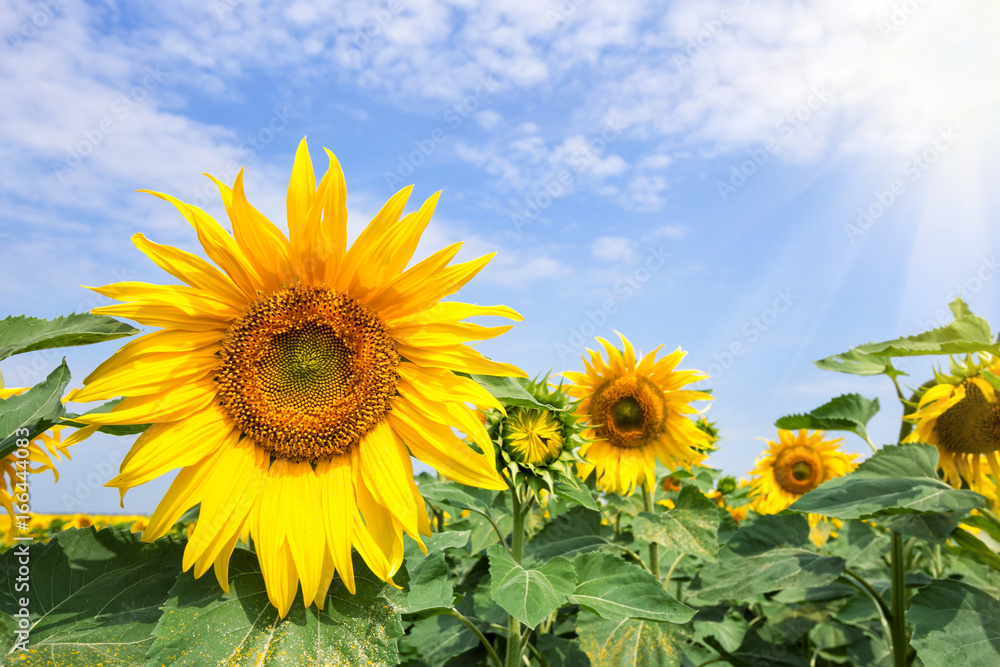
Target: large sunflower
(795, 464)
(292, 386)
(43, 452)
(635, 414)
(961, 416)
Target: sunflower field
(574, 518)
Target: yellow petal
(262, 242)
(173, 403)
(164, 447)
(357, 268)
(336, 480)
(192, 269)
(146, 375)
(381, 456)
(458, 358)
(437, 446)
(220, 247)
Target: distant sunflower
(961, 416)
(794, 465)
(635, 414)
(43, 452)
(292, 386)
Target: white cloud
(613, 249)
(488, 119)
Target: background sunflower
(636, 414)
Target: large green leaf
(850, 412)
(859, 363)
(529, 594)
(966, 333)
(955, 624)
(29, 414)
(898, 479)
(768, 554)
(508, 391)
(95, 597)
(690, 528)
(202, 625)
(429, 586)
(615, 590)
(27, 334)
(631, 642)
(571, 533)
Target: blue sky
(761, 182)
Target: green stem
(538, 655)
(989, 514)
(900, 642)
(496, 528)
(654, 548)
(469, 624)
(516, 549)
(884, 615)
(670, 572)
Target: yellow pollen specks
(305, 372)
(629, 411)
(971, 426)
(798, 469)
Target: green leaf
(561, 652)
(955, 624)
(529, 594)
(438, 639)
(898, 479)
(970, 544)
(850, 412)
(728, 628)
(966, 333)
(571, 533)
(429, 585)
(508, 391)
(202, 625)
(95, 597)
(935, 527)
(457, 495)
(29, 414)
(572, 489)
(768, 554)
(69, 419)
(631, 642)
(27, 334)
(858, 363)
(615, 590)
(690, 528)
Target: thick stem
(654, 548)
(494, 658)
(900, 642)
(516, 550)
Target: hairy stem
(654, 548)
